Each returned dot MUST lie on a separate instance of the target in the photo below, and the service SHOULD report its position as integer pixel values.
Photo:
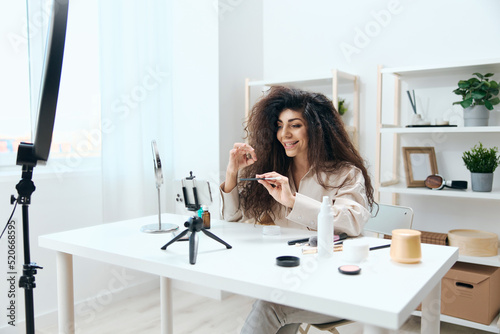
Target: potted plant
(481, 162)
(342, 107)
(479, 95)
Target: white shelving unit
(472, 129)
(334, 79)
(493, 328)
(463, 70)
(402, 189)
(439, 75)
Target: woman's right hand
(242, 155)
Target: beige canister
(405, 246)
(474, 242)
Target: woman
(298, 139)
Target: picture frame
(419, 163)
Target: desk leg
(65, 298)
(167, 323)
(431, 310)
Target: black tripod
(195, 224)
(25, 188)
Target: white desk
(382, 296)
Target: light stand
(194, 224)
(160, 228)
(29, 154)
(25, 188)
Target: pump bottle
(325, 229)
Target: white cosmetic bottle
(325, 229)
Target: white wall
(240, 56)
(321, 35)
(196, 92)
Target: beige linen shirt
(350, 204)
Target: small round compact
(349, 269)
(287, 261)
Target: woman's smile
(290, 145)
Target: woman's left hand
(278, 188)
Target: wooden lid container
(405, 246)
(474, 242)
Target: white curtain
(136, 105)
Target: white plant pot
(481, 181)
(476, 116)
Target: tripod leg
(193, 247)
(216, 238)
(180, 235)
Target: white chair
(388, 218)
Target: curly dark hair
(329, 150)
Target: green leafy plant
(342, 107)
(481, 160)
(476, 91)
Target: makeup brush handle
(456, 184)
(313, 241)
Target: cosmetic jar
(405, 246)
(355, 250)
(271, 230)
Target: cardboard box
(472, 292)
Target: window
(76, 141)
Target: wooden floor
(194, 314)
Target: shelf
(402, 189)
(313, 80)
(493, 328)
(388, 128)
(482, 66)
(493, 261)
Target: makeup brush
(412, 102)
(313, 241)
